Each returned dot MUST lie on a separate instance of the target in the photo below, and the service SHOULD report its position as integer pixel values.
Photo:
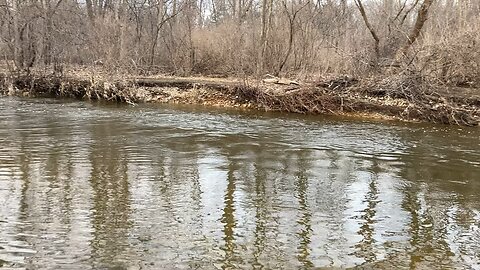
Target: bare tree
(419, 23)
(253, 37)
(267, 11)
(371, 29)
(17, 53)
(292, 15)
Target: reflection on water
(87, 186)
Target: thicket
(438, 39)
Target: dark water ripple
(92, 186)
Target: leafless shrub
(299, 39)
(455, 59)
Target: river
(106, 186)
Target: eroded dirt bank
(403, 97)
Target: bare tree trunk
(291, 19)
(158, 26)
(200, 13)
(17, 51)
(371, 29)
(47, 32)
(245, 7)
(239, 11)
(119, 10)
(29, 52)
(101, 7)
(290, 45)
(421, 19)
(174, 7)
(402, 21)
(90, 10)
(266, 10)
(161, 18)
(190, 25)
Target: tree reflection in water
(104, 187)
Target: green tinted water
(89, 186)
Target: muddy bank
(397, 97)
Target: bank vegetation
(415, 59)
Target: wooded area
(345, 56)
(298, 38)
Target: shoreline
(366, 98)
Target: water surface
(92, 186)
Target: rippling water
(90, 186)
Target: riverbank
(401, 96)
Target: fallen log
(184, 83)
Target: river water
(97, 186)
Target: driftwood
(340, 84)
(276, 80)
(413, 98)
(184, 83)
